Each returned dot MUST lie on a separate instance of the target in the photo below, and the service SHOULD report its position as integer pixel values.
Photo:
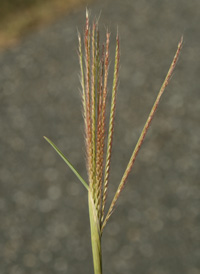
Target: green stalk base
(95, 236)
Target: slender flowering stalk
(144, 132)
(111, 127)
(94, 64)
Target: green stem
(95, 235)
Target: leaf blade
(67, 162)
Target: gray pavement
(44, 226)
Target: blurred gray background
(44, 225)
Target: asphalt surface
(155, 229)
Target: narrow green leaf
(67, 162)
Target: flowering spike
(143, 134)
(111, 126)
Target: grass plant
(94, 67)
